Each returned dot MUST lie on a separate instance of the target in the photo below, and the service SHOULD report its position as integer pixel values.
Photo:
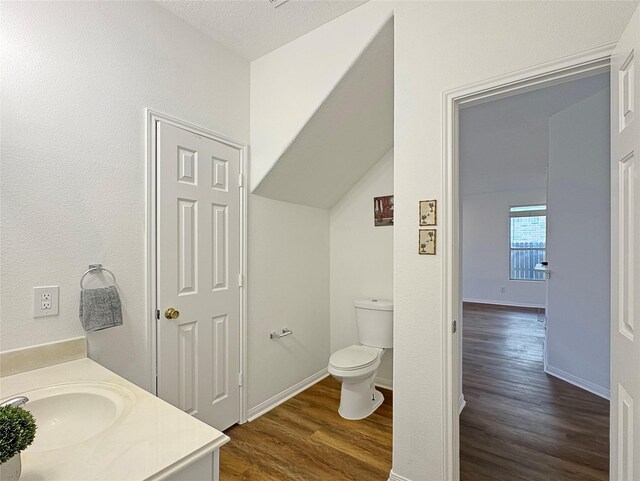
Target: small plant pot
(11, 470)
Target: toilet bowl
(356, 366)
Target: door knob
(172, 313)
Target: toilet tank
(374, 318)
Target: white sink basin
(68, 414)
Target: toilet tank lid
(374, 304)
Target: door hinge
(157, 314)
(240, 180)
(240, 280)
(240, 380)
(454, 327)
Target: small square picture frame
(427, 242)
(428, 212)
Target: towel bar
(285, 332)
(95, 268)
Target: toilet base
(359, 400)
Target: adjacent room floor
(520, 423)
(305, 439)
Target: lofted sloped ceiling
(346, 136)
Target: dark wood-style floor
(305, 439)
(520, 423)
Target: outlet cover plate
(43, 297)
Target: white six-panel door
(198, 256)
(625, 250)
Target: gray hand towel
(100, 308)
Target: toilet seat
(354, 357)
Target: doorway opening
(535, 237)
(588, 64)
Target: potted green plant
(17, 430)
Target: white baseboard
(285, 395)
(384, 383)
(396, 477)
(576, 381)
(461, 403)
(505, 303)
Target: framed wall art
(427, 242)
(428, 212)
(383, 210)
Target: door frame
(152, 117)
(584, 64)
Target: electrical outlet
(45, 301)
(502, 289)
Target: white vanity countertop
(152, 441)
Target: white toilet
(356, 366)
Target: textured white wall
(361, 257)
(504, 153)
(438, 46)
(578, 248)
(485, 250)
(524, 34)
(288, 287)
(76, 78)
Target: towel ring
(95, 268)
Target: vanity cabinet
(205, 469)
(139, 437)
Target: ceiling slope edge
(346, 135)
(290, 84)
